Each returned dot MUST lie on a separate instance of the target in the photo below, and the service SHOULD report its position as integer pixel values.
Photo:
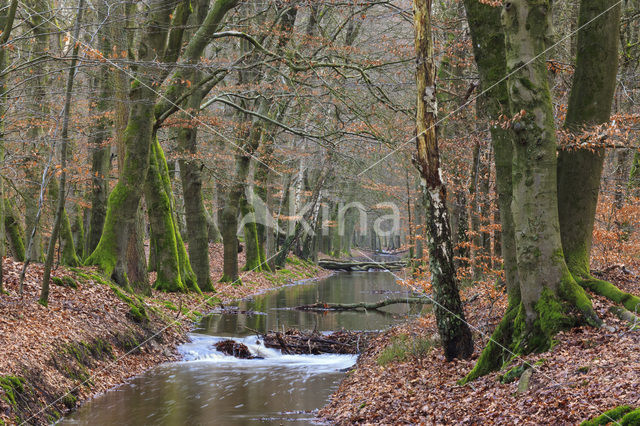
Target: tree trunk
(6, 22)
(580, 170)
(172, 263)
(13, 231)
(254, 259)
(547, 288)
(229, 219)
(100, 157)
(123, 201)
(196, 215)
(61, 217)
(67, 245)
(452, 327)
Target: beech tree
(552, 219)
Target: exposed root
(627, 316)
(496, 353)
(611, 292)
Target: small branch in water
(323, 306)
(336, 265)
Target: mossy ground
(623, 415)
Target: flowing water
(208, 387)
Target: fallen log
(323, 306)
(296, 342)
(337, 265)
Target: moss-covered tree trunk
(207, 23)
(172, 262)
(452, 327)
(13, 231)
(6, 23)
(196, 215)
(99, 147)
(253, 251)
(592, 90)
(123, 201)
(489, 53)
(545, 280)
(229, 218)
(262, 189)
(548, 292)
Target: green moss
(127, 340)
(551, 319)
(213, 301)
(172, 262)
(611, 292)
(105, 254)
(14, 234)
(81, 274)
(514, 374)
(69, 400)
(402, 347)
(137, 311)
(169, 305)
(632, 418)
(227, 279)
(494, 354)
(12, 386)
(65, 281)
(608, 416)
(571, 292)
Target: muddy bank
(93, 336)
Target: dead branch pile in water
(296, 342)
(233, 348)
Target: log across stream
(280, 384)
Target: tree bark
(13, 231)
(6, 22)
(545, 280)
(452, 327)
(172, 262)
(60, 217)
(123, 201)
(99, 148)
(592, 90)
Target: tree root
(627, 316)
(611, 292)
(496, 353)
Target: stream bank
(270, 386)
(403, 378)
(93, 337)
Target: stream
(208, 387)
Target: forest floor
(403, 377)
(92, 336)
